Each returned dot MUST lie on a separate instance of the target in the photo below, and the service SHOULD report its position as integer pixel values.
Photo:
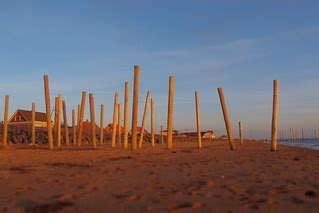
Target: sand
(188, 179)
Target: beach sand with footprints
(187, 179)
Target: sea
(309, 143)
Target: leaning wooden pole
(144, 120)
(152, 123)
(275, 116)
(5, 120)
(170, 113)
(114, 119)
(135, 106)
(198, 120)
(66, 125)
(226, 118)
(102, 124)
(48, 110)
(126, 114)
(241, 140)
(73, 127)
(33, 124)
(80, 123)
(119, 128)
(92, 116)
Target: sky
(241, 46)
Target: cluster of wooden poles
(77, 132)
(295, 134)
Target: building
(209, 134)
(24, 118)
(109, 128)
(175, 133)
(87, 128)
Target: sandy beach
(188, 179)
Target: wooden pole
(241, 141)
(5, 120)
(48, 110)
(101, 124)
(162, 135)
(33, 124)
(56, 103)
(135, 106)
(73, 127)
(275, 116)
(78, 116)
(226, 118)
(302, 134)
(170, 113)
(198, 120)
(114, 119)
(66, 125)
(144, 119)
(152, 123)
(59, 121)
(92, 115)
(119, 129)
(126, 111)
(80, 123)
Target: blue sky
(241, 46)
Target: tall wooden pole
(152, 123)
(119, 128)
(102, 124)
(78, 115)
(48, 110)
(59, 121)
(135, 106)
(5, 120)
(66, 125)
(144, 120)
(114, 119)
(33, 124)
(56, 111)
(226, 118)
(162, 135)
(302, 134)
(126, 109)
(73, 127)
(80, 123)
(170, 113)
(92, 115)
(198, 120)
(241, 141)
(275, 116)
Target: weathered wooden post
(56, 103)
(92, 115)
(119, 129)
(33, 124)
(73, 127)
(152, 123)
(144, 120)
(114, 119)
(126, 109)
(135, 106)
(302, 134)
(48, 110)
(241, 141)
(275, 116)
(170, 113)
(59, 120)
(101, 124)
(198, 120)
(5, 120)
(66, 125)
(78, 116)
(226, 118)
(80, 123)
(162, 135)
